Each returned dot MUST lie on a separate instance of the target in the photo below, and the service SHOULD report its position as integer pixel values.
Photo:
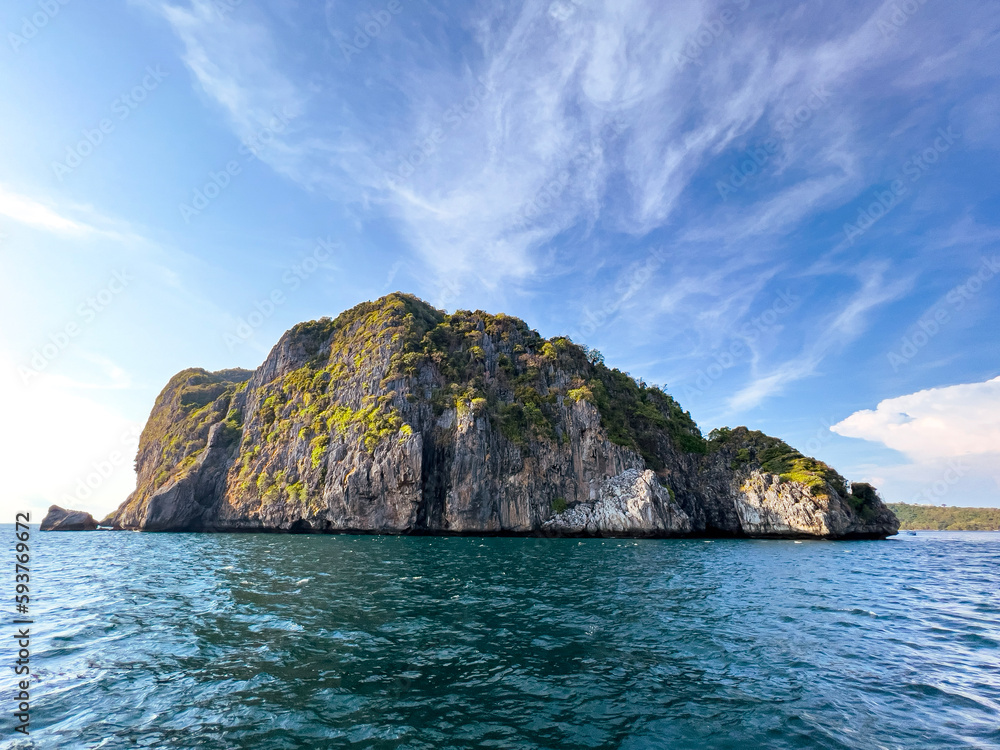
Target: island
(398, 418)
(945, 518)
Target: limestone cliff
(398, 418)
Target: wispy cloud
(38, 215)
(233, 57)
(837, 331)
(73, 221)
(481, 111)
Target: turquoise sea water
(268, 641)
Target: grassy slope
(777, 457)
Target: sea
(299, 641)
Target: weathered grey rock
(769, 507)
(60, 519)
(349, 426)
(633, 504)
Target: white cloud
(558, 85)
(75, 222)
(951, 437)
(960, 420)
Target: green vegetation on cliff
(363, 376)
(376, 363)
(636, 415)
(499, 368)
(774, 456)
(934, 518)
(340, 393)
(178, 427)
(396, 415)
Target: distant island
(936, 518)
(398, 418)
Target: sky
(784, 213)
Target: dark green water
(261, 641)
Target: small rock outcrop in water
(60, 519)
(398, 418)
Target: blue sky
(786, 213)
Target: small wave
(733, 644)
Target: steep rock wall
(398, 418)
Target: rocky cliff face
(398, 418)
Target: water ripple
(262, 641)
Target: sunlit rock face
(398, 418)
